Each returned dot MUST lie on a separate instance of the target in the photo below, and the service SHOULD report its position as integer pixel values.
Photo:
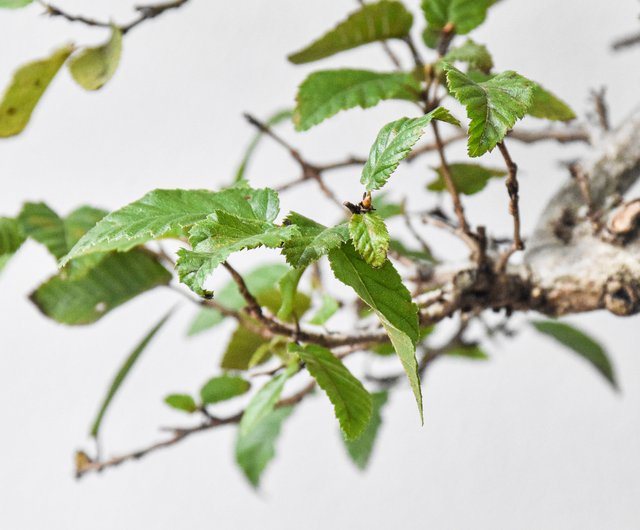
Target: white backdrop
(531, 439)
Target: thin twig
(514, 209)
(578, 173)
(626, 42)
(601, 108)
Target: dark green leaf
(383, 291)
(11, 239)
(242, 345)
(467, 178)
(361, 448)
(115, 280)
(222, 388)
(27, 87)
(255, 449)
(493, 106)
(394, 143)
(183, 402)
(370, 237)
(93, 67)
(581, 344)
(124, 372)
(470, 351)
(465, 15)
(324, 94)
(351, 401)
(372, 22)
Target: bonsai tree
(294, 332)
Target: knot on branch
(622, 295)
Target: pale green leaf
(169, 214)
(313, 242)
(370, 237)
(582, 344)
(93, 67)
(115, 280)
(255, 449)
(383, 291)
(386, 208)
(467, 178)
(222, 388)
(241, 348)
(11, 239)
(351, 401)
(373, 22)
(394, 143)
(547, 106)
(470, 351)
(28, 85)
(288, 289)
(473, 54)
(217, 237)
(276, 119)
(400, 248)
(361, 448)
(324, 94)
(493, 106)
(464, 15)
(14, 4)
(183, 402)
(124, 372)
(327, 309)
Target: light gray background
(532, 439)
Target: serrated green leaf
(471, 351)
(14, 4)
(169, 214)
(255, 449)
(372, 22)
(473, 54)
(217, 237)
(241, 348)
(276, 119)
(383, 291)
(370, 237)
(323, 94)
(327, 309)
(222, 388)
(183, 402)
(361, 448)
(313, 242)
(28, 85)
(124, 371)
(264, 401)
(465, 15)
(467, 178)
(351, 401)
(91, 68)
(115, 280)
(394, 143)
(547, 106)
(578, 341)
(493, 106)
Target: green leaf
(222, 388)
(465, 15)
(370, 237)
(124, 372)
(313, 242)
(11, 239)
(386, 208)
(372, 22)
(27, 87)
(183, 402)
(470, 351)
(351, 401)
(264, 401)
(547, 106)
(383, 291)
(324, 94)
(242, 345)
(93, 67)
(288, 289)
(394, 143)
(493, 106)
(328, 308)
(255, 449)
(217, 237)
(259, 280)
(14, 4)
(467, 178)
(272, 121)
(361, 448)
(578, 341)
(169, 214)
(473, 54)
(115, 280)
(400, 248)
